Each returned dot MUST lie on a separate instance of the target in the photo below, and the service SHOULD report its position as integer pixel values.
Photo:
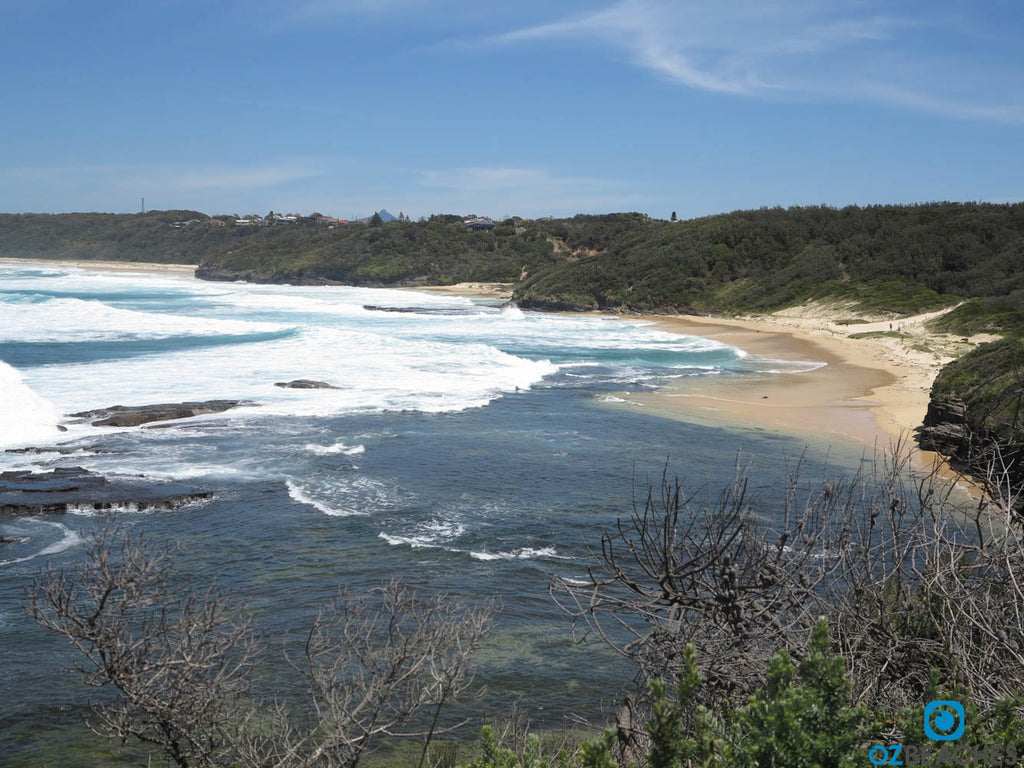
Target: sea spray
(25, 417)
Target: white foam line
(302, 497)
(69, 540)
(328, 450)
(524, 553)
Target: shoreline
(108, 266)
(469, 290)
(873, 390)
(839, 398)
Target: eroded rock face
(945, 427)
(173, 501)
(134, 415)
(969, 447)
(74, 489)
(305, 384)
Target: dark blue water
(312, 496)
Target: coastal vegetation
(896, 258)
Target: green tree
(803, 717)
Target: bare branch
(178, 661)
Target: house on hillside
(480, 224)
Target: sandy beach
(873, 390)
(473, 290)
(110, 266)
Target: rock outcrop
(305, 384)
(134, 415)
(75, 489)
(995, 461)
(221, 274)
(945, 427)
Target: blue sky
(529, 108)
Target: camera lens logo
(944, 720)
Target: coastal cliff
(975, 415)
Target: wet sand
(110, 266)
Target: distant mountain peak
(383, 213)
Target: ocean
(468, 448)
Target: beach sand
(872, 390)
(472, 290)
(110, 266)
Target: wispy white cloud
(847, 49)
(894, 94)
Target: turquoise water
(469, 449)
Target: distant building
(478, 225)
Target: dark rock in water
(133, 416)
(305, 384)
(63, 450)
(13, 539)
(74, 489)
(173, 501)
(211, 272)
(422, 310)
(61, 479)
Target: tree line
(900, 258)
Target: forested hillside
(437, 251)
(116, 237)
(899, 258)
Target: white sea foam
(429, 541)
(524, 553)
(771, 365)
(378, 373)
(25, 417)
(336, 448)
(303, 496)
(78, 320)
(68, 539)
(382, 361)
(435, 534)
(416, 542)
(512, 312)
(346, 494)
